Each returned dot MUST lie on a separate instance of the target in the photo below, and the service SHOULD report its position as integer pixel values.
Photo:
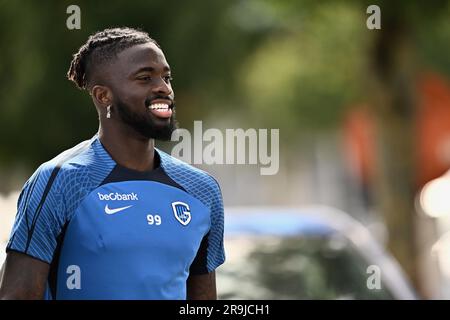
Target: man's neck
(129, 150)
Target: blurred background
(364, 119)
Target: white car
(308, 253)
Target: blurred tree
(395, 67)
(305, 74)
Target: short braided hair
(101, 47)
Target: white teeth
(159, 106)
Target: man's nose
(162, 88)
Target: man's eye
(167, 79)
(145, 78)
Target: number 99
(154, 219)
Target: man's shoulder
(188, 176)
(67, 166)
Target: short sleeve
(40, 216)
(215, 247)
(211, 253)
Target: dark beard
(145, 125)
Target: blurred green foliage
(276, 64)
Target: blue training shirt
(109, 232)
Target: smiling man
(114, 217)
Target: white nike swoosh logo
(112, 211)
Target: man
(114, 217)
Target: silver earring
(108, 112)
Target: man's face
(142, 94)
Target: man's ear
(101, 95)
